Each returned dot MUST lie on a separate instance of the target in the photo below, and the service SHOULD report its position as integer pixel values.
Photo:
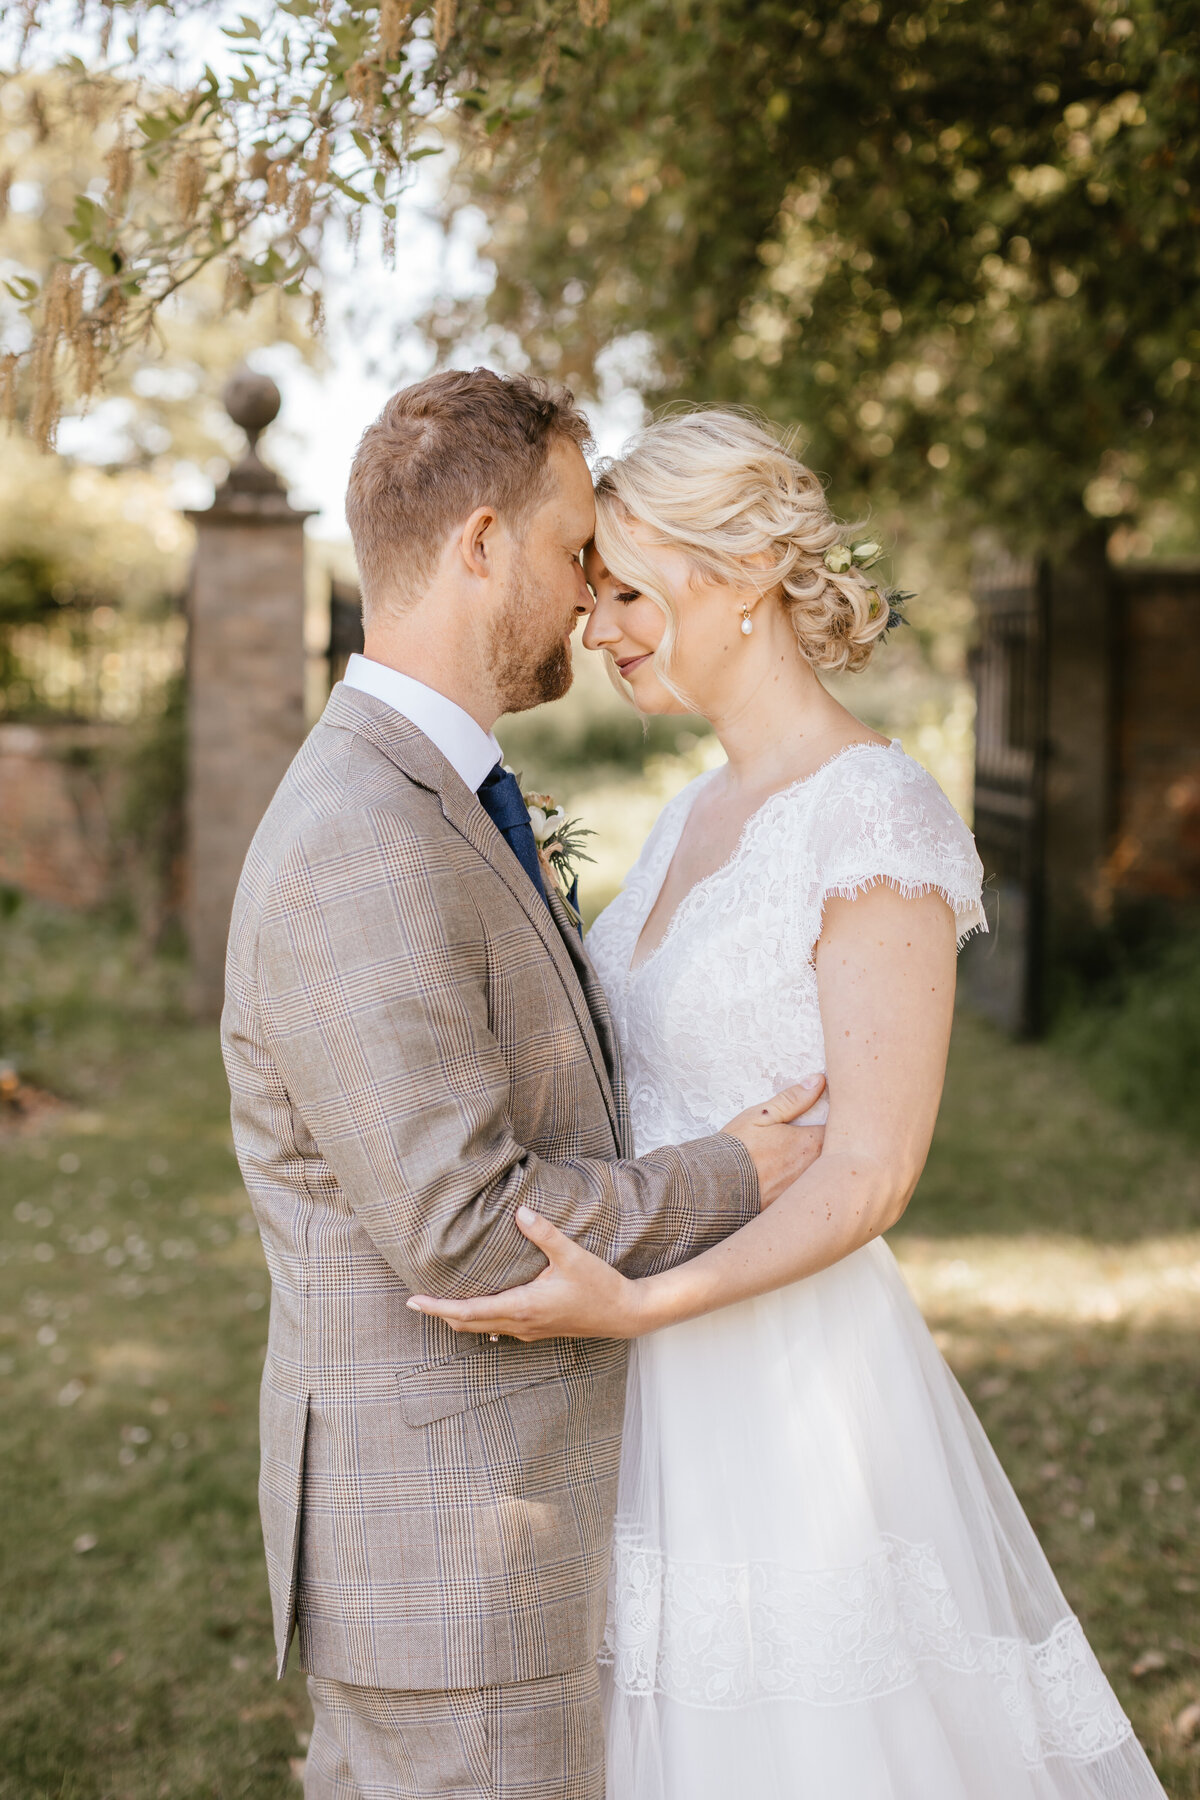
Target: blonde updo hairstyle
(722, 488)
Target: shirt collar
(467, 747)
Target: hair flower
(839, 558)
(893, 599)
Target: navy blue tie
(500, 798)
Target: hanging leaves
(321, 113)
(9, 364)
(189, 184)
(445, 15)
(119, 167)
(393, 27)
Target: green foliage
(89, 564)
(1138, 1037)
(59, 134)
(79, 538)
(77, 997)
(956, 242)
(29, 587)
(151, 830)
(322, 114)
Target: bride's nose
(603, 626)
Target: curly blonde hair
(721, 487)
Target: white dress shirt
(467, 747)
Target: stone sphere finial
(252, 401)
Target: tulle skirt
(823, 1585)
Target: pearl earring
(747, 621)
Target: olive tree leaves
(319, 117)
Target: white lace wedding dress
(824, 1587)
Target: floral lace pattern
(727, 1634)
(739, 949)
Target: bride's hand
(577, 1296)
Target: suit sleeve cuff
(746, 1174)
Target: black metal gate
(1002, 972)
(345, 626)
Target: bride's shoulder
(876, 813)
(879, 783)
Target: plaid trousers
(528, 1740)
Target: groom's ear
(477, 542)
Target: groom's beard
(530, 666)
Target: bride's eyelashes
(626, 595)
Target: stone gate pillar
(245, 677)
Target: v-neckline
(638, 963)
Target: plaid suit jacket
(415, 1045)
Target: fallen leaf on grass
(296, 1765)
(84, 1542)
(1187, 1723)
(1148, 1663)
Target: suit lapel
(589, 982)
(412, 752)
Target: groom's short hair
(439, 449)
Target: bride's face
(629, 626)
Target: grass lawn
(1054, 1246)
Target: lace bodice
(725, 1008)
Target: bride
(823, 1586)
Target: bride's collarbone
(707, 845)
(716, 829)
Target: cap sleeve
(880, 816)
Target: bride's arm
(885, 974)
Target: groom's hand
(779, 1150)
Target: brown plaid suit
(414, 1046)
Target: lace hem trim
(725, 1635)
(966, 907)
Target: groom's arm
(372, 989)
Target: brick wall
(58, 789)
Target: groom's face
(546, 594)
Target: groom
(417, 1045)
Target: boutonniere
(559, 843)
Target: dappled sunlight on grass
(1065, 1280)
